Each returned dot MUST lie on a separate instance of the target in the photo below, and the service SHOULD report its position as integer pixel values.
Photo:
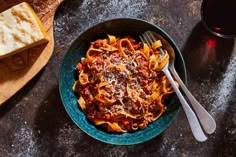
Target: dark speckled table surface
(34, 122)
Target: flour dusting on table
(117, 152)
(67, 138)
(224, 92)
(91, 12)
(24, 144)
(193, 7)
(111, 9)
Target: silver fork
(206, 120)
(195, 126)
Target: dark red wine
(220, 16)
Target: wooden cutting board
(17, 70)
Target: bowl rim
(166, 36)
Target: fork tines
(148, 38)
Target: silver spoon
(192, 118)
(208, 123)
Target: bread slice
(20, 29)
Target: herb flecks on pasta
(120, 83)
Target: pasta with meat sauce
(120, 84)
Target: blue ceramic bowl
(119, 27)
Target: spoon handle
(208, 123)
(192, 119)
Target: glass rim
(208, 28)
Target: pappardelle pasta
(120, 84)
